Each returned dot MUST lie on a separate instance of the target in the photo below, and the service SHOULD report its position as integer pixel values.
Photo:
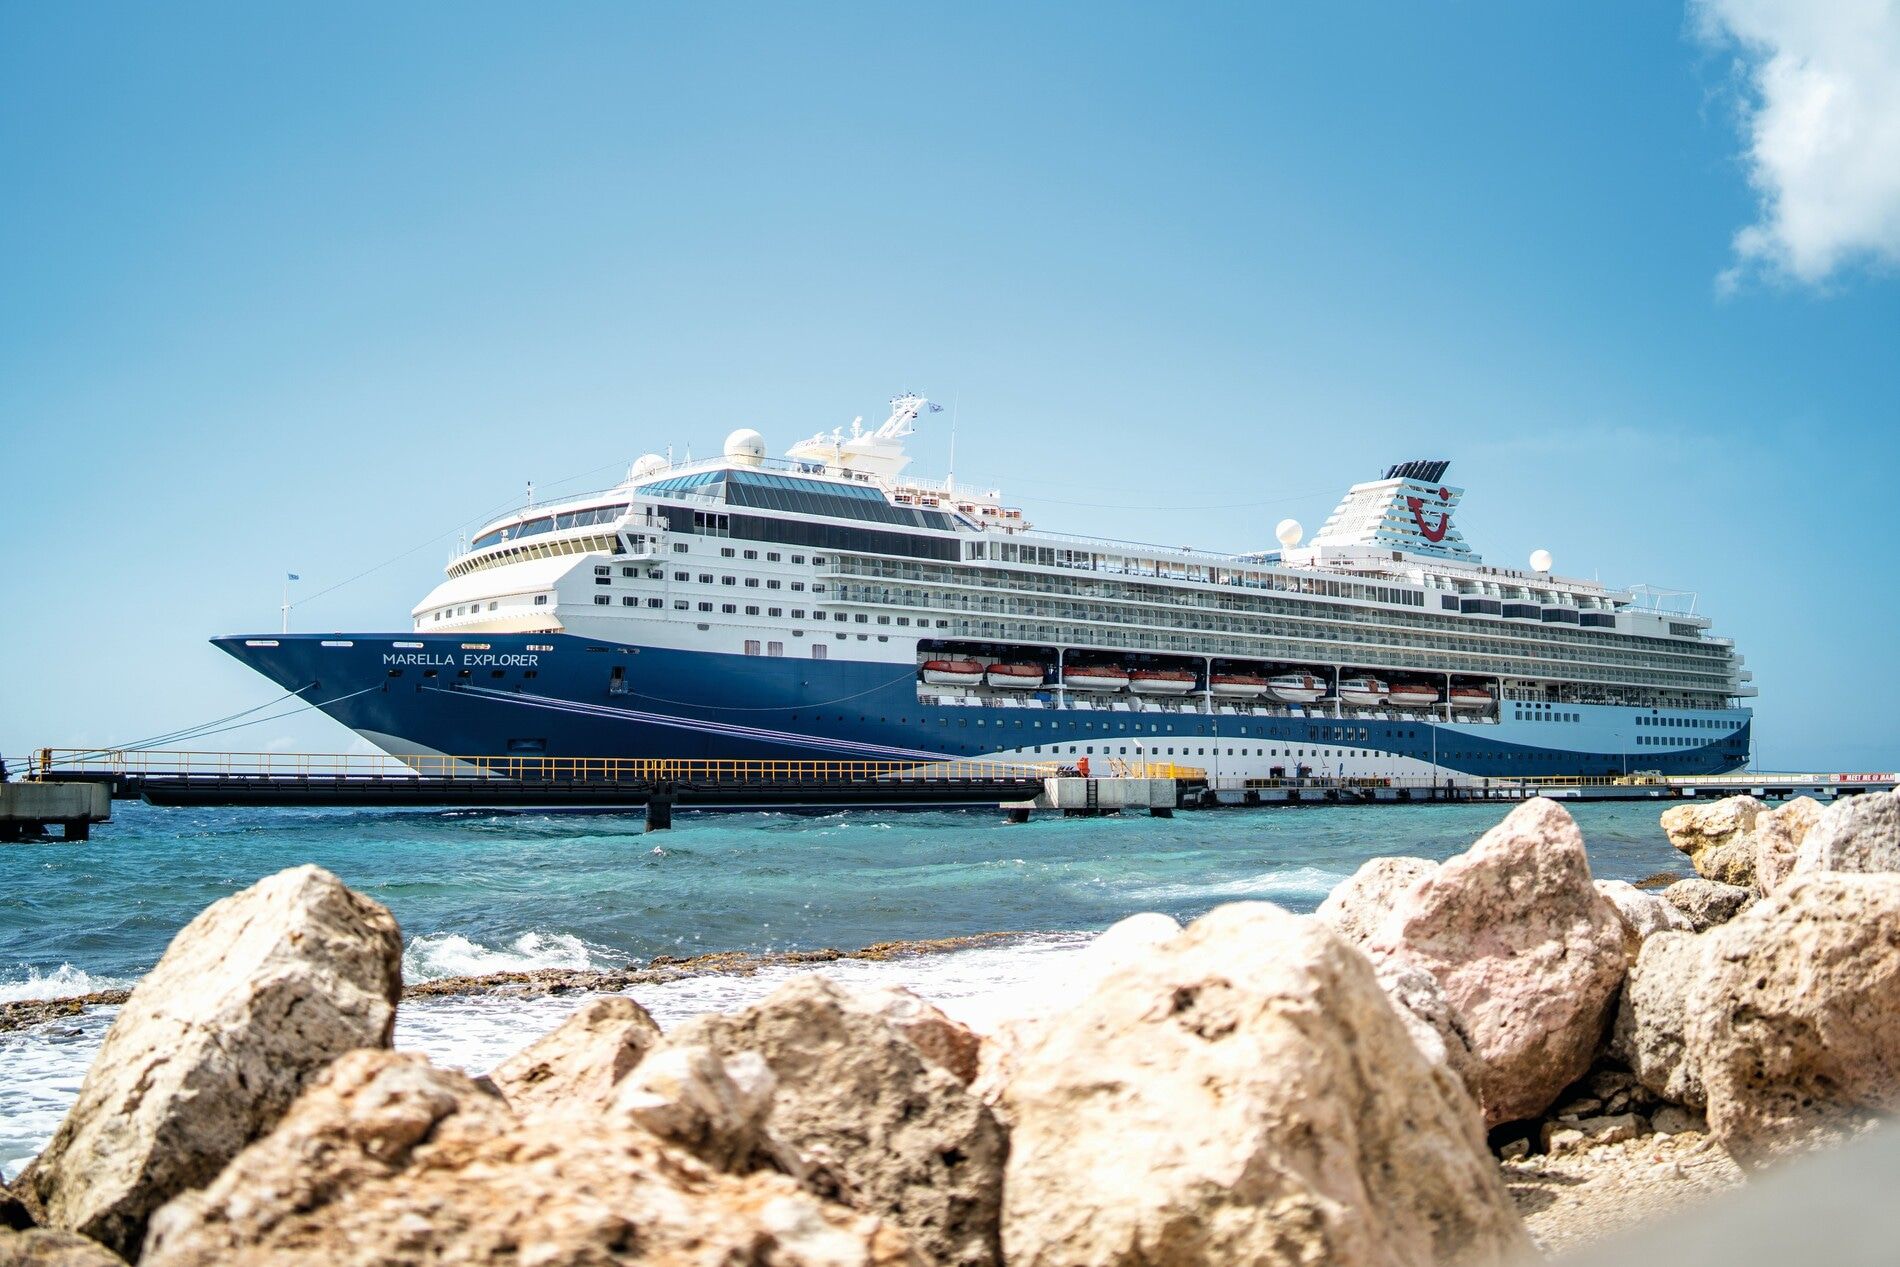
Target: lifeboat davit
(953, 672)
(1412, 695)
(1363, 691)
(1097, 679)
(1237, 685)
(1297, 688)
(1014, 677)
(1470, 698)
(1161, 681)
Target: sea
(487, 891)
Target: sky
(313, 288)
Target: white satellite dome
(1289, 532)
(647, 464)
(1540, 560)
(746, 446)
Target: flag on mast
(292, 576)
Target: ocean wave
(62, 982)
(1310, 883)
(436, 955)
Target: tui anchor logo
(1431, 532)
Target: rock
(1778, 837)
(1573, 1110)
(1795, 1025)
(14, 1216)
(1643, 914)
(1515, 1150)
(1672, 1120)
(950, 1045)
(1592, 1132)
(1245, 1094)
(577, 1066)
(1428, 1017)
(858, 1101)
(250, 1001)
(50, 1247)
(1858, 834)
(1357, 908)
(1528, 953)
(1707, 902)
(1652, 1017)
(1718, 837)
(712, 1108)
(386, 1159)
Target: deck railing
(334, 765)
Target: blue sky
(306, 288)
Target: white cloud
(1822, 120)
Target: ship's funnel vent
(1425, 472)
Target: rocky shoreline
(1466, 1062)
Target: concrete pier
(27, 810)
(1078, 797)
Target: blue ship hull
(559, 695)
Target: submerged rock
(1717, 836)
(1528, 953)
(1707, 903)
(1858, 834)
(1795, 1026)
(251, 1000)
(1245, 1094)
(388, 1160)
(577, 1066)
(881, 1127)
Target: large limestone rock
(387, 1160)
(714, 1109)
(1778, 837)
(1856, 834)
(49, 1247)
(1358, 908)
(250, 1001)
(1247, 1094)
(1652, 1017)
(887, 1130)
(948, 1044)
(1795, 1026)
(577, 1066)
(1707, 903)
(1718, 837)
(1643, 914)
(1528, 953)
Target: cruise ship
(825, 606)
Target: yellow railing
(330, 765)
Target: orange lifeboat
(1470, 699)
(1237, 685)
(1101, 678)
(1161, 681)
(1412, 695)
(1014, 677)
(953, 672)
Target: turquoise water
(482, 892)
(486, 891)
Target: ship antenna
(530, 493)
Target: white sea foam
(62, 982)
(433, 956)
(1299, 884)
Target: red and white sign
(1867, 778)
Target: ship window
(775, 648)
(819, 651)
(798, 613)
(772, 585)
(601, 569)
(630, 571)
(752, 582)
(601, 600)
(751, 554)
(680, 547)
(840, 637)
(798, 558)
(862, 619)
(656, 602)
(775, 611)
(799, 586)
(705, 607)
(655, 574)
(818, 616)
(680, 605)
(725, 552)
(629, 601)
(752, 646)
(728, 609)
(751, 611)
(728, 580)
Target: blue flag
(293, 576)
